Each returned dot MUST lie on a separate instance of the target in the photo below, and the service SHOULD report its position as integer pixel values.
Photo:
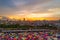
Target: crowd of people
(29, 36)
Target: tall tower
(23, 19)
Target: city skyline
(30, 9)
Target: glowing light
(38, 15)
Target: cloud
(26, 7)
(55, 12)
(39, 15)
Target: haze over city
(30, 9)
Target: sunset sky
(30, 9)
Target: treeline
(27, 26)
